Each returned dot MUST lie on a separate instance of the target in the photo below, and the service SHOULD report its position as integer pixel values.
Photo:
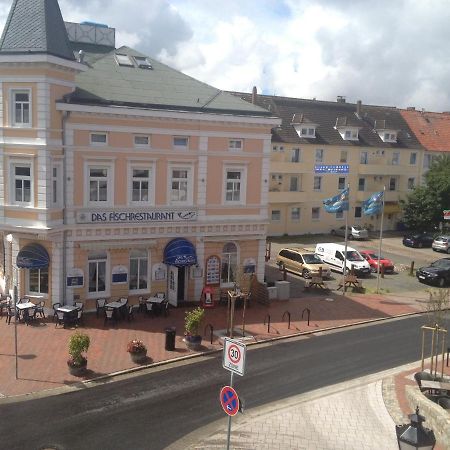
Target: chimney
(254, 94)
(358, 108)
(340, 99)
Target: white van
(333, 255)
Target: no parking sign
(234, 356)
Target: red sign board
(447, 214)
(229, 400)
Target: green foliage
(422, 210)
(78, 343)
(193, 320)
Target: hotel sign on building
(140, 216)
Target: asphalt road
(157, 409)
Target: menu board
(213, 270)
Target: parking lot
(398, 282)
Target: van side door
(339, 259)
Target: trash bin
(170, 338)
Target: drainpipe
(65, 117)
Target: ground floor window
(97, 273)
(138, 270)
(38, 281)
(229, 263)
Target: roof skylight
(142, 62)
(124, 60)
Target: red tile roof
(431, 129)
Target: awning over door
(33, 256)
(180, 252)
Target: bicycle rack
(308, 312)
(211, 330)
(289, 318)
(268, 322)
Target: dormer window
(349, 134)
(387, 135)
(304, 127)
(308, 132)
(348, 128)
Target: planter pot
(193, 342)
(77, 371)
(138, 357)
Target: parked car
(437, 272)
(300, 261)
(353, 232)
(372, 258)
(334, 255)
(441, 244)
(418, 240)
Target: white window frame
(272, 219)
(223, 262)
(296, 219)
(243, 185)
(98, 133)
(363, 184)
(138, 145)
(233, 147)
(317, 158)
(106, 259)
(37, 293)
(294, 177)
(315, 208)
(411, 157)
(341, 159)
(395, 158)
(109, 166)
(12, 96)
(395, 184)
(410, 188)
(339, 215)
(317, 177)
(296, 155)
(139, 258)
(13, 163)
(364, 157)
(190, 184)
(180, 147)
(57, 185)
(151, 183)
(341, 187)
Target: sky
(382, 52)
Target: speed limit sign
(234, 356)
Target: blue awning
(180, 252)
(33, 256)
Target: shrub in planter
(78, 344)
(137, 350)
(192, 322)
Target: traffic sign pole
(229, 417)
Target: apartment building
(376, 143)
(119, 175)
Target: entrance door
(173, 285)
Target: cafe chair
(60, 319)
(40, 309)
(100, 305)
(55, 313)
(9, 314)
(160, 295)
(149, 308)
(142, 303)
(79, 305)
(130, 312)
(109, 314)
(166, 308)
(79, 319)
(30, 315)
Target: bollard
(308, 311)
(411, 270)
(268, 322)
(211, 330)
(320, 271)
(289, 318)
(284, 274)
(382, 271)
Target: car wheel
(441, 282)
(305, 273)
(434, 250)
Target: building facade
(121, 176)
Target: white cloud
(384, 52)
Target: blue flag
(373, 204)
(338, 203)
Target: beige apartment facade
(122, 176)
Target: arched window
(229, 263)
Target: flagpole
(381, 240)
(344, 269)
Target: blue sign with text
(331, 168)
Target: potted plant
(78, 344)
(137, 350)
(192, 322)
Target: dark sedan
(437, 273)
(418, 240)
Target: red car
(372, 258)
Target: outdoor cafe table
(23, 306)
(67, 308)
(157, 301)
(116, 306)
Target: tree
(422, 209)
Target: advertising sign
(331, 168)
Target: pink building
(121, 176)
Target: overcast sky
(383, 52)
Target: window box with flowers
(137, 350)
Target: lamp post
(413, 435)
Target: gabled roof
(432, 129)
(36, 26)
(108, 83)
(325, 114)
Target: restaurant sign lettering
(146, 216)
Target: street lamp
(414, 436)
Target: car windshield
(357, 228)
(312, 259)
(373, 256)
(354, 256)
(442, 239)
(442, 263)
